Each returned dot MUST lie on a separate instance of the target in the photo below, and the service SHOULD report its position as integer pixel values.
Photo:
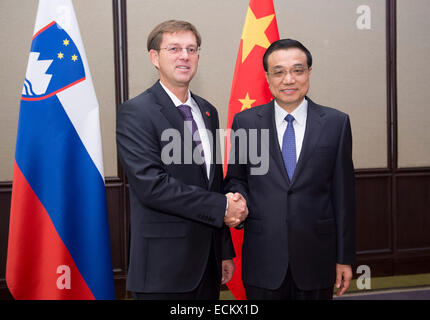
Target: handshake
(237, 210)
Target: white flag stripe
(84, 115)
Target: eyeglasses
(295, 72)
(192, 51)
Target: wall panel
(5, 193)
(373, 196)
(349, 69)
(413, 218)
(15, 47)
(413, 81)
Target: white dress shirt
(198, 118)
(300, 115)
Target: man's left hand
(343, 278)
(227, 270)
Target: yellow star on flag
(66, 42)
(60, 55)
(254, 32)
(74, 57)
(246, 103)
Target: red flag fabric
(250, 89)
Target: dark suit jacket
(177, 214)
(307, 223)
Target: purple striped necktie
(192, 125)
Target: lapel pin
(208, 114)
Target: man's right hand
(237, 210)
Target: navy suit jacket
(307, 223)
(177, 213)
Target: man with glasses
(299, 237)
(180, 245)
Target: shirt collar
(175, 99)
(299, 113)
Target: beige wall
(95, 23)
(413, 82)
(349, 71)
(13, 56)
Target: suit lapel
(168, 108)
(267, 121)
(314, 124)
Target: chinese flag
(250, 89)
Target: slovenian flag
(59, 245)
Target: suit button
(290, 192)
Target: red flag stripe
(35, 244)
